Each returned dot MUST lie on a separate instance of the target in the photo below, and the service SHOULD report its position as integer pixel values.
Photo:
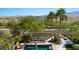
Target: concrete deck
(39, 43)
(58, 47)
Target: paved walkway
(58, 47)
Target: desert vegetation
(22, 28)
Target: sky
(30, 11)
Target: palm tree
(51, 16)
(61, 15)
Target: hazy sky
(30, 11)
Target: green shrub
(75, 47)
(6, 34)
(75, 37)
(68, 46)
(26, 37)
(72, 47)
(57, 38)
(75, 40)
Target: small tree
(14, 26)
(1, 43)
(5, 23)
(13, 23)
(6, 34)
(17, 38)
(32, 24)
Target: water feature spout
(36, 46)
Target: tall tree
(61, 15)
(51, 16)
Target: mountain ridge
(75, 13)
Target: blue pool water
(38, 47)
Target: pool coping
(38, 44)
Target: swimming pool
(38, 47)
